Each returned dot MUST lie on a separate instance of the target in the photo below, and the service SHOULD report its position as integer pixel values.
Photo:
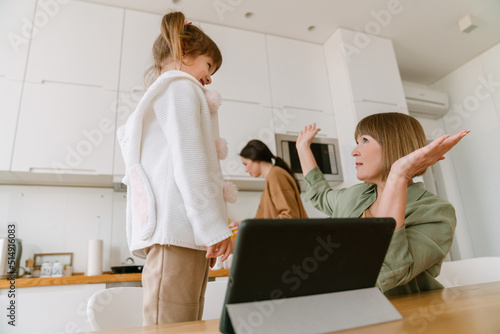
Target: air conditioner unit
(426, 102)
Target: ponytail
(256, 150)
(172, 29)
(177, 39)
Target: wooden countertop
(81, 279)
(460, 310)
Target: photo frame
(63, 258)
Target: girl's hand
(225, 248)
(234, 226)
(424, 157)
(306, 136)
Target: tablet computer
(283, 258)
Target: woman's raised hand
(306, 136)
(424, 157)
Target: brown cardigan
(281, 198)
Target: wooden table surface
(466, 309)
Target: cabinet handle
(380, 102)
(62, 171)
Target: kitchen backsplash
(63, 219)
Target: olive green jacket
(416, 251)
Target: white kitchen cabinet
(79, 42)
(140, 31)
(10, 95)
(292, 121)
(372, 68)
(50, 309)
(298, 75)
(65, 129)
(364, 109)
(244, 74)
(363, 74)
(239, 123)
(16, 22)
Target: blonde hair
(177, 39)
(398, 134)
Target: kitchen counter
(81, 279)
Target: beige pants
(174, 280)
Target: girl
(391, 150)
(176, 210)
(281, 197)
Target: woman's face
(251, 167)
(369, 164)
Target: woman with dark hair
(281, 197)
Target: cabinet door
(10, 94)
(298, 75)
(65, 128)
(79, 42)
(16, 19)
(364, 109)
(373, 69)
(139, 34)
(239, 123)
(244, 74)
(292, 121)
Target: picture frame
(63, 258)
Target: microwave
(325, 151)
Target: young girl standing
(176, 209)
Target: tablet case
(286, 258)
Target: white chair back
(470, 271)
(214, 299)
(115, 308)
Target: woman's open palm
(307, 135)
(415, 162)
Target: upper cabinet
(10, 94)
(239, 123)
(298, 75)
(367, 65)
(16, 23)
(244, 74)
(78, 43)
(140, 31)
(292, 121)
(65, 129)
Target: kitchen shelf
(81, 279)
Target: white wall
(474, 91)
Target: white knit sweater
(171, 148)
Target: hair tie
(186, 22)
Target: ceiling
(427, 40)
